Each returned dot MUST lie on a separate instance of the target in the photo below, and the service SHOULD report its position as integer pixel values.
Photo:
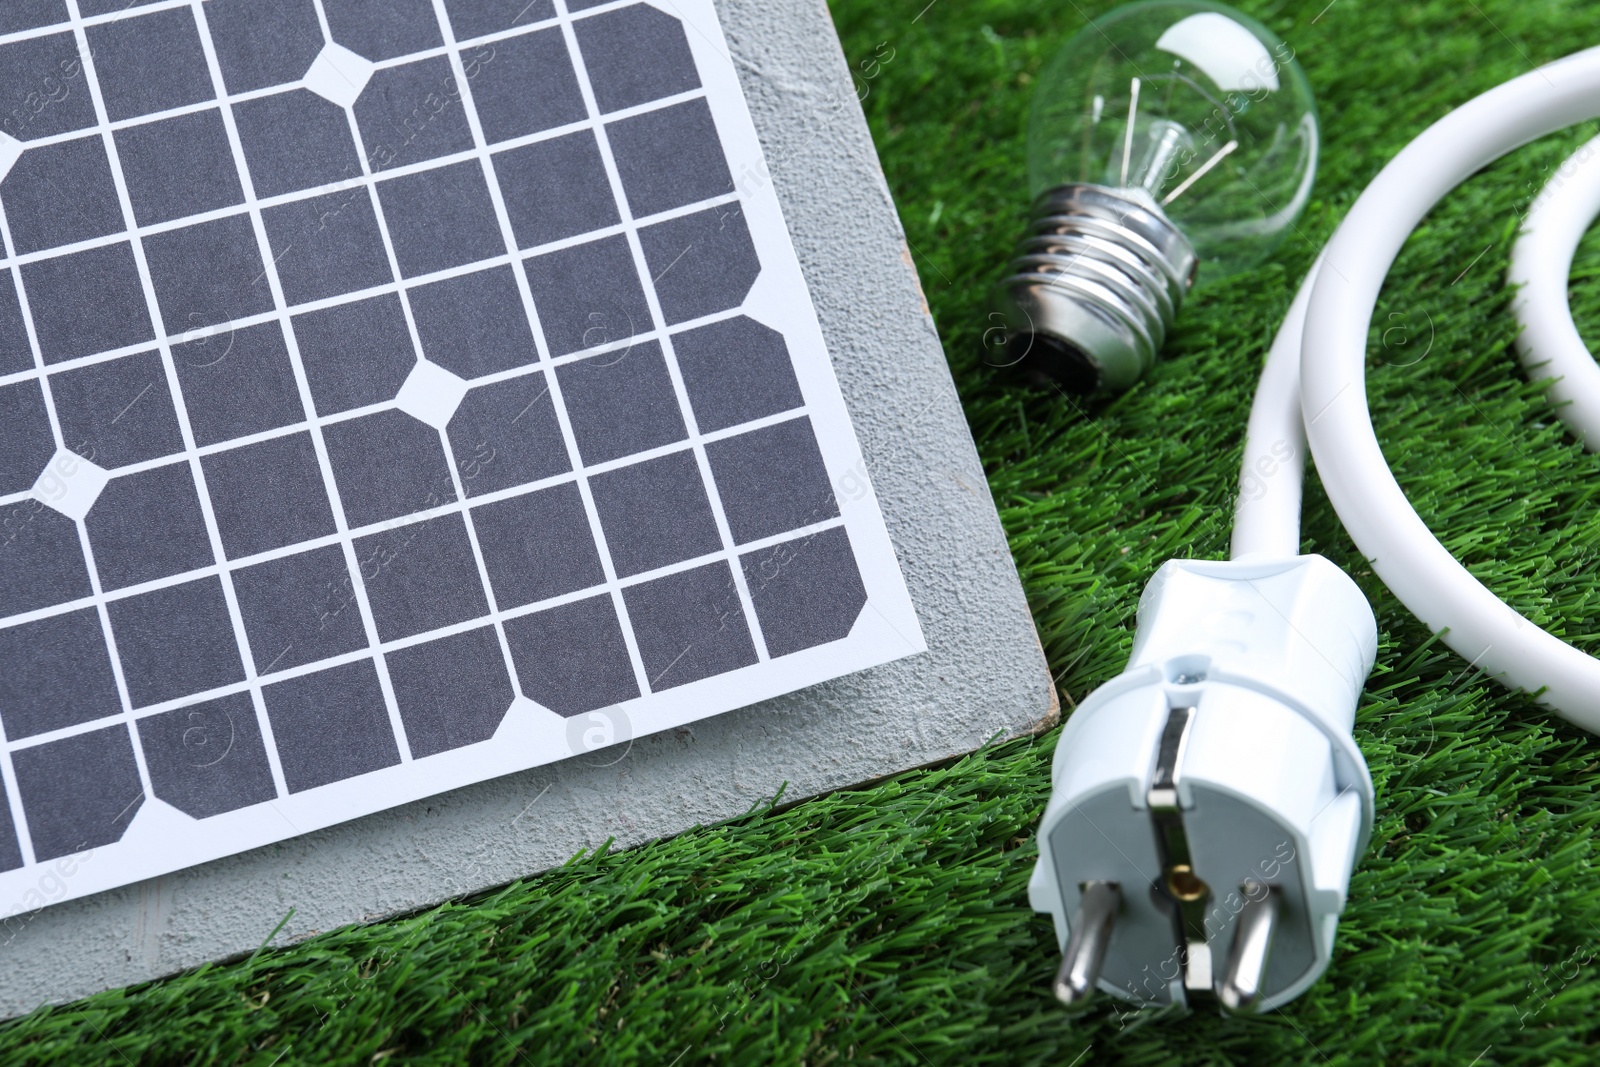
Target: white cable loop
(1333, 401)
(1541, 264)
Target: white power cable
(1229, 733)
(1266, 520)
(1330, 346)
(1541, 262)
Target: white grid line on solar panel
(396, 722)
(565, 359)
(455, 507)
(302, 385)
(425, 279)
(125, 13)
(208, 518)
(56, 28)
(8, 776)
(558, 401)
(390, 647)
(258, 705)
(398, 170)
(26, 496)
(357, 295)
(353, 182)
(213, 535)
(236, 325)
(358, 532)
(642, 266)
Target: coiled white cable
(1315, 375)
(1541, 262)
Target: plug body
(1216, 788)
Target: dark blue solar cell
(411, 113)
(573, 658)
(237, 382)
(90, 302)
(621, 402)
(556, 189)
(263, 44)
(689, 626)
(44, 87)
(702, 263)
(331, 725)
(734, 371)
(10, 848)
(669, 158)
(131, 506)
(655, 513)
(80, 792)
(57, 674)
(268, 495)
(383, 30)
(474, 324)
(588, 295)
(327, 245)
(207, 274)
(806, 592)
(506, 434)
(31, 14)
(441, 218)
(179, 167)
(119, 411)
(207, 758)
(151, 63)
(41, 558)
(355, 354)
(26, 441)
(537, 545)
(295, 140)
(175, 641)
(420, 577)
(299, 609)
(772, 480)
(479, 18)
(16, 351)
(613, 44)
(524, 84)
(451, 692)
(387, 465)
(61, 193)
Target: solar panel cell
(207, 758)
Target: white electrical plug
(1210, 802)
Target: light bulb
(1167, 138)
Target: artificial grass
(889, 924)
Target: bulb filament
(1127, 137)
(1200, 172)
(1169, 138)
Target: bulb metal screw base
(1094, 287)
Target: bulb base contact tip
(1094, 287)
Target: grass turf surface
(889, 925)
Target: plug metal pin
(1240, 987)
(1087, 939)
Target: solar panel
(392, 396)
